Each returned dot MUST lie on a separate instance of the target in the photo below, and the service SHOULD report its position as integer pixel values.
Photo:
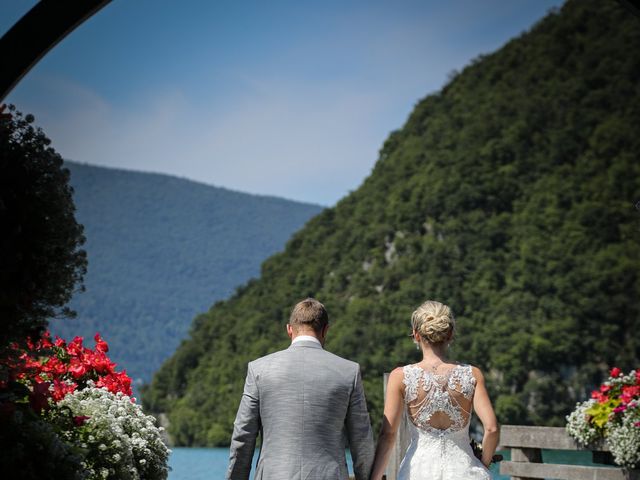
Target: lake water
(211, 464)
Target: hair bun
(434, 321)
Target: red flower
(39, 397)
(629, 392)
(604, 388)
(80, 419)
(101, 364)
(54, 366)
(75, 348)
(599, 397)
(615, 372)
(44, 342)
(77, 369)
(101, 345)
(61, 389)
(116, 382)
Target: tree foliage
(509, 195)
(40, 257)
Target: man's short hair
(309, 313)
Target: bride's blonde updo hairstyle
(433, 321)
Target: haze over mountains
(161, 250)
(509, 195)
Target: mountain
(162, 250)
(508, 195)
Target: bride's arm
(393, 406)
(484, 410)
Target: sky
(284, 98)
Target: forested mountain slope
(509, 195)
(161, 249)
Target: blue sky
(284, 98)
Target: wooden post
(530, 455)
(402, 440)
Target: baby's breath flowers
(122, 442)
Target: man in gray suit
(306, 401)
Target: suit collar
(309, 338)
(306, 344)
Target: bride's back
(439, 398)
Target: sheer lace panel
(440, 400)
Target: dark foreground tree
(40, 257)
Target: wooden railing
(527, 443)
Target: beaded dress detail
(439, 405)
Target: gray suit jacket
(307, 402)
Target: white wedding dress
(439, 405)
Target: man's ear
(325, 329)
(290, 331)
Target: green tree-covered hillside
(509, 195)
(160, 250)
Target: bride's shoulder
(397, 378)
(398, 374)
(475, 371)
(405, 369)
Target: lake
(211, 464)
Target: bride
(439, 396)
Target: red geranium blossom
(52, 370)
(101, 345)
(629, 392)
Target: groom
(305, 401)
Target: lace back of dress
(439, 400)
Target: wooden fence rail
(526, 444)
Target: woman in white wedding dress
(439, 396)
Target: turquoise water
(211, 464)
(206, 463)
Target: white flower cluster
(624, 440)
(120, 440)
(578, 425)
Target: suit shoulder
(343, 362)
(259, 362)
